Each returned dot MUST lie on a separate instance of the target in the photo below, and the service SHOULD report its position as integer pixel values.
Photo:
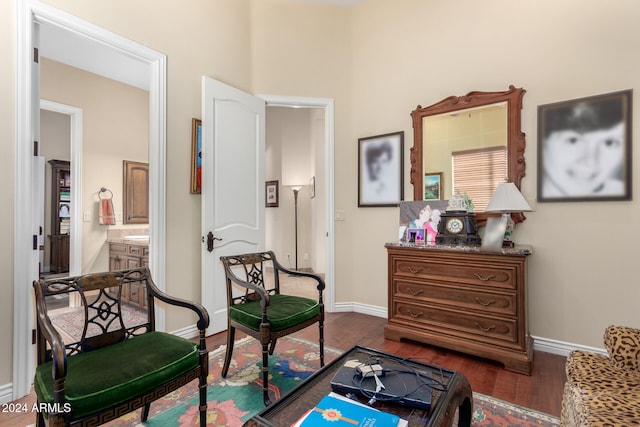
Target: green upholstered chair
(257, 308)
(98, 365)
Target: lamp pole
(295, 204)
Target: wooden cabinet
(465, 300)
(123, 256)
(60, 215)
(136, 192)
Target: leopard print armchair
(601, 390)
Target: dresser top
(518, 250)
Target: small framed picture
(65, 210)
(584, 149)
(380, 174)
(271, 194)
(432, 186)
(312, 187)
(416, 236)
(196, 156)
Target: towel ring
(104, 190)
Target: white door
(232, 186)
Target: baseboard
(539, 343)
(357, 307)
(6, 393)
(188, 332)
(562, 348)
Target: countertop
(518, 250)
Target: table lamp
(507, 199)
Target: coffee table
(457, 398)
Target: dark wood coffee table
(457, 398)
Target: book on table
(337, 410)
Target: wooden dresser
(462, 299)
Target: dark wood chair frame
(254, 266)
(92, 289)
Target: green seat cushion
(113, 374)
(283, 311)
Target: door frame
(327, 104)
(30, 13)
(75, 242)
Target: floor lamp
(296, 190)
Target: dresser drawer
(134, 250)
(444, 294)
(468, 273)
(118, 248)
(485, 329)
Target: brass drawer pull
(489, 329)
(485, 279)
(414, 270)
(485, 303)
(413, 292)
(415, 315)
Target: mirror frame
(515, 137)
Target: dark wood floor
(541, 391)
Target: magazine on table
(337, 410)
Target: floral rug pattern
(489, 411)
(235, 399)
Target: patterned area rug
(70, 321)
(488, 411)
(234, 400)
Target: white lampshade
(507, 198)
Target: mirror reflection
(468, 144)
(467, 149)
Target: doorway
(322, 238)
(31, 17)
(72, 152)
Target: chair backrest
(97, 316)
(257, 270)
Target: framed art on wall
(584, 149)
(271, 194)
(196, 156)
(432, 186)
(380, 174)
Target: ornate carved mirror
(470, 144)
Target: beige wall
(378, 61)
(7, 120)
(581, 276)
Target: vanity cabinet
(462, 299)
(136, 192)
(124, 256)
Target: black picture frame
(271, 194)
(380, 170)
(584, 149)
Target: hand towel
(106, 216)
